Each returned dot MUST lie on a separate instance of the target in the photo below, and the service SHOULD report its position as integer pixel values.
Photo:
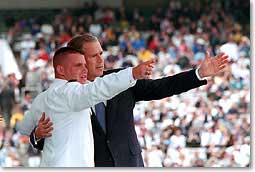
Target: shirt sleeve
(80, 96)
(27, 124)
(198, 76)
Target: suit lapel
(111, 108)
(96, 122)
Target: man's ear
(60, 70)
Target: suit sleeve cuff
(198, 76)
(36, 140)
(32, 140)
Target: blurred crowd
(205, 127)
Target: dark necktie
(100, 114)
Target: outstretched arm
(79, 96)
(179, 83)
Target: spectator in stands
(7, 100)
(26, 102)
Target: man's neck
(60, 77)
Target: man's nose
(99, 58)
(86, 70)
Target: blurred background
(205, 127)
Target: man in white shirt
(67, 105)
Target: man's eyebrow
(100, 52)
(78, 64)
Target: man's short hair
(27, 92)
(78, 41)
(61, 52)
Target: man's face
(95, 62)
(28, 97)
(76, 68)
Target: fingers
(48, 130)
(48, 125)
(149, 65)
(144, 70)
(45, 122)
(207, 54)
(222, 60)
(222, 67)
(225, 57)
(44, 127)
(220, 55)
(222, 63)
(147, 73)
(47, 135)
(42, 132)
(42, 117)
(45, 131)
(149, 70)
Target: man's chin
(100, 73)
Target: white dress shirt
(67, 104)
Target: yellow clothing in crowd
(145, 55)
(18, 116)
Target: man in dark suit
(115, 139)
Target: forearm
(26, 125)
(167, 86)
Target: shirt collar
(58, 81)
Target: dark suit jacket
(119, 146)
